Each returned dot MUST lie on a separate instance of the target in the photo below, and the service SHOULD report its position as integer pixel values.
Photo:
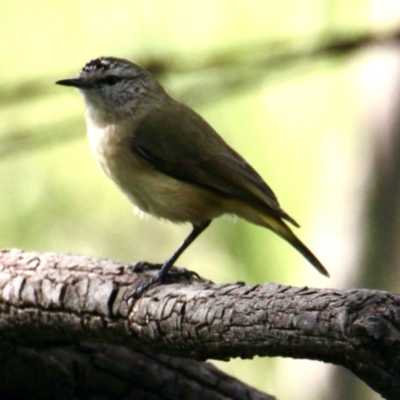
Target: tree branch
(93, 370)
(48, 299)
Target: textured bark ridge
(67, 331)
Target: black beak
(75, 82)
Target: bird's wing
(183, 145)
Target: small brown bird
(168, 160)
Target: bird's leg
(166, 266)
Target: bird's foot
(165, 275)
(143, 287)
(144, 265)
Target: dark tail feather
(281, 229)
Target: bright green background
(300, 125)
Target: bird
(169, 161)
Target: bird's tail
(281, 229)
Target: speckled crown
(99, 64)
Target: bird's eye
(110, 80)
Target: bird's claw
(141, 266)
(174, 274)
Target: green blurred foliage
(53, 196)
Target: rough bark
(50, 302)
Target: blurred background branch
(221, 74)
